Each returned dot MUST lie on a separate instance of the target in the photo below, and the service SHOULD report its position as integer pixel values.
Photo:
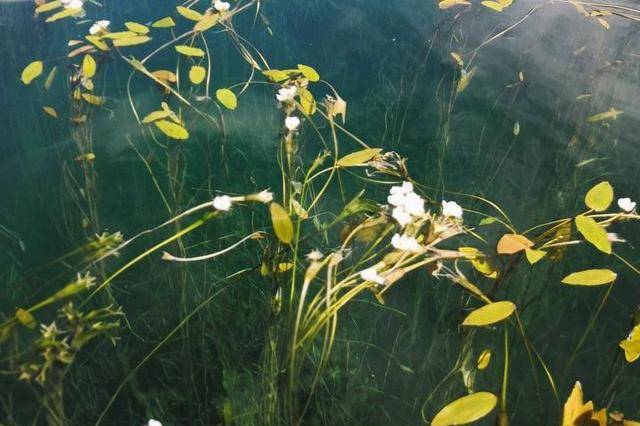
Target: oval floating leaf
(97, 42)
(197, 74)
(490, 314)
(131, 41)
(167, 22)
(165, 76)
(493, 5)
(89, 66)
(155, 116)
(136, 28)
(32, 71)
(307, 102)
(590, 277)
(47, 7)
(599, 197)
(484, 359)
(513, 243)
(171, 129)
(466, 409)
(64, 14)
(227, 98)
(276, 75)
(309, 72)
(207, 22)
(50, 78)
(282, 225)
(593, 232)
(189, 13)
(93, 99)
(190, 51)
(358, 157)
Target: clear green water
(391, 61)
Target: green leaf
(47, 7)
(276, 75)
(599, 197)
(466, 409)
(167, 22)
(136, 28)
(282, 225)
(358, 157)
(593, 232)
(487, 221)
(131, 41)
(64, 14)
(590, 277)
(490, 314)
(189, 13)
(227, 98)
(309, 72)
(307, 102)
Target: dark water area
(518, 136)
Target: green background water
(391, 62)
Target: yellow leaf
(167, 22)
(189, 13)
(156, 115)
(47, 7)
(284, 266)
(282, 225)
(64, 14)
(88, 66)
(49, 81)
(593, 232)
(227, 98)
(173, 130)
(446, 4)
(470, 252)
(590, 277)
(165, 76)
(197, 74)
(490, 314)
(25, 318)
(631, 345)
(51, 111)
(136, 28)
(599, 197)
(603, 22)
(456, 57)
(131, 41)
(307, 102)
(576, 412)
(467, 409)
(32, 71)
(310, 73)
(207, 22)
(493, 5)
(485, 267)
(276, 75)
(465, 79)
(92, 99)
(97, 42)
(534, 256)
(612, 113)
(190, 51)
(484, 359)
(513, 243)
(358, 157)
(118, 34)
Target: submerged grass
(350, 291)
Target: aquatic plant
(346, 220)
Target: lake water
(517, 135)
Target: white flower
(402, 216)
(414, 204)
(626, 204)
(406, 188)
(405, 243)
(396, 199)
(263, 196)
(370, 274)
(72, 4)
(315, 255)
(222, 202)
(451, 209)
(286, 94)
(221, 6)
(153, 422)
(615, 238)
(292, 123)
(99, 27)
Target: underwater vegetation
(225, 213)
